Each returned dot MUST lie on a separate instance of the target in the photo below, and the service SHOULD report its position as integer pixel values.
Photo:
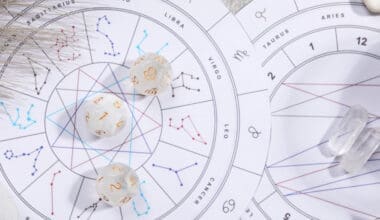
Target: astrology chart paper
(320, 57)
(199, 149)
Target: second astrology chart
(320, 58)
(191, 146)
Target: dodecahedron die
(151, 74)
(105, 114)
(117, 184)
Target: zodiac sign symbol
(260, 14)
(254, 132)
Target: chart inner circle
(66, 112)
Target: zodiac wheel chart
(321, 58)
(196, 147)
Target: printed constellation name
(48, 9)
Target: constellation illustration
(145, 37)
(176, 172)
(189, 128)
(15, 121)
(9, 154)
(179, 82)
(52, 190)
(86, 39)
(65, 40)
(104, 20)
(141, 194)
(34, 65)
(92, 207)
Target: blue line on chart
(9, 154)
(176, 172)
(141, 194)
(112, 44)
(15, 121)
(139, 45)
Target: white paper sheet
(206, 136)
(320, 57)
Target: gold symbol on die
(150, 73)
(135, 81)
(117, 168)
(153, 91)
(139, 61)
(98, 100)
(117, 104)
(116, 186)
(159, 59)
(105, 114)
(125, 199)
(120, 124)
(133, 181)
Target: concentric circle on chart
(317, 72)
(183, 143)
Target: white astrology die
(106, 114)
(117, 184)
(151, 74)
(373, 5)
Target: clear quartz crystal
(362, 150)
(347, 130)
